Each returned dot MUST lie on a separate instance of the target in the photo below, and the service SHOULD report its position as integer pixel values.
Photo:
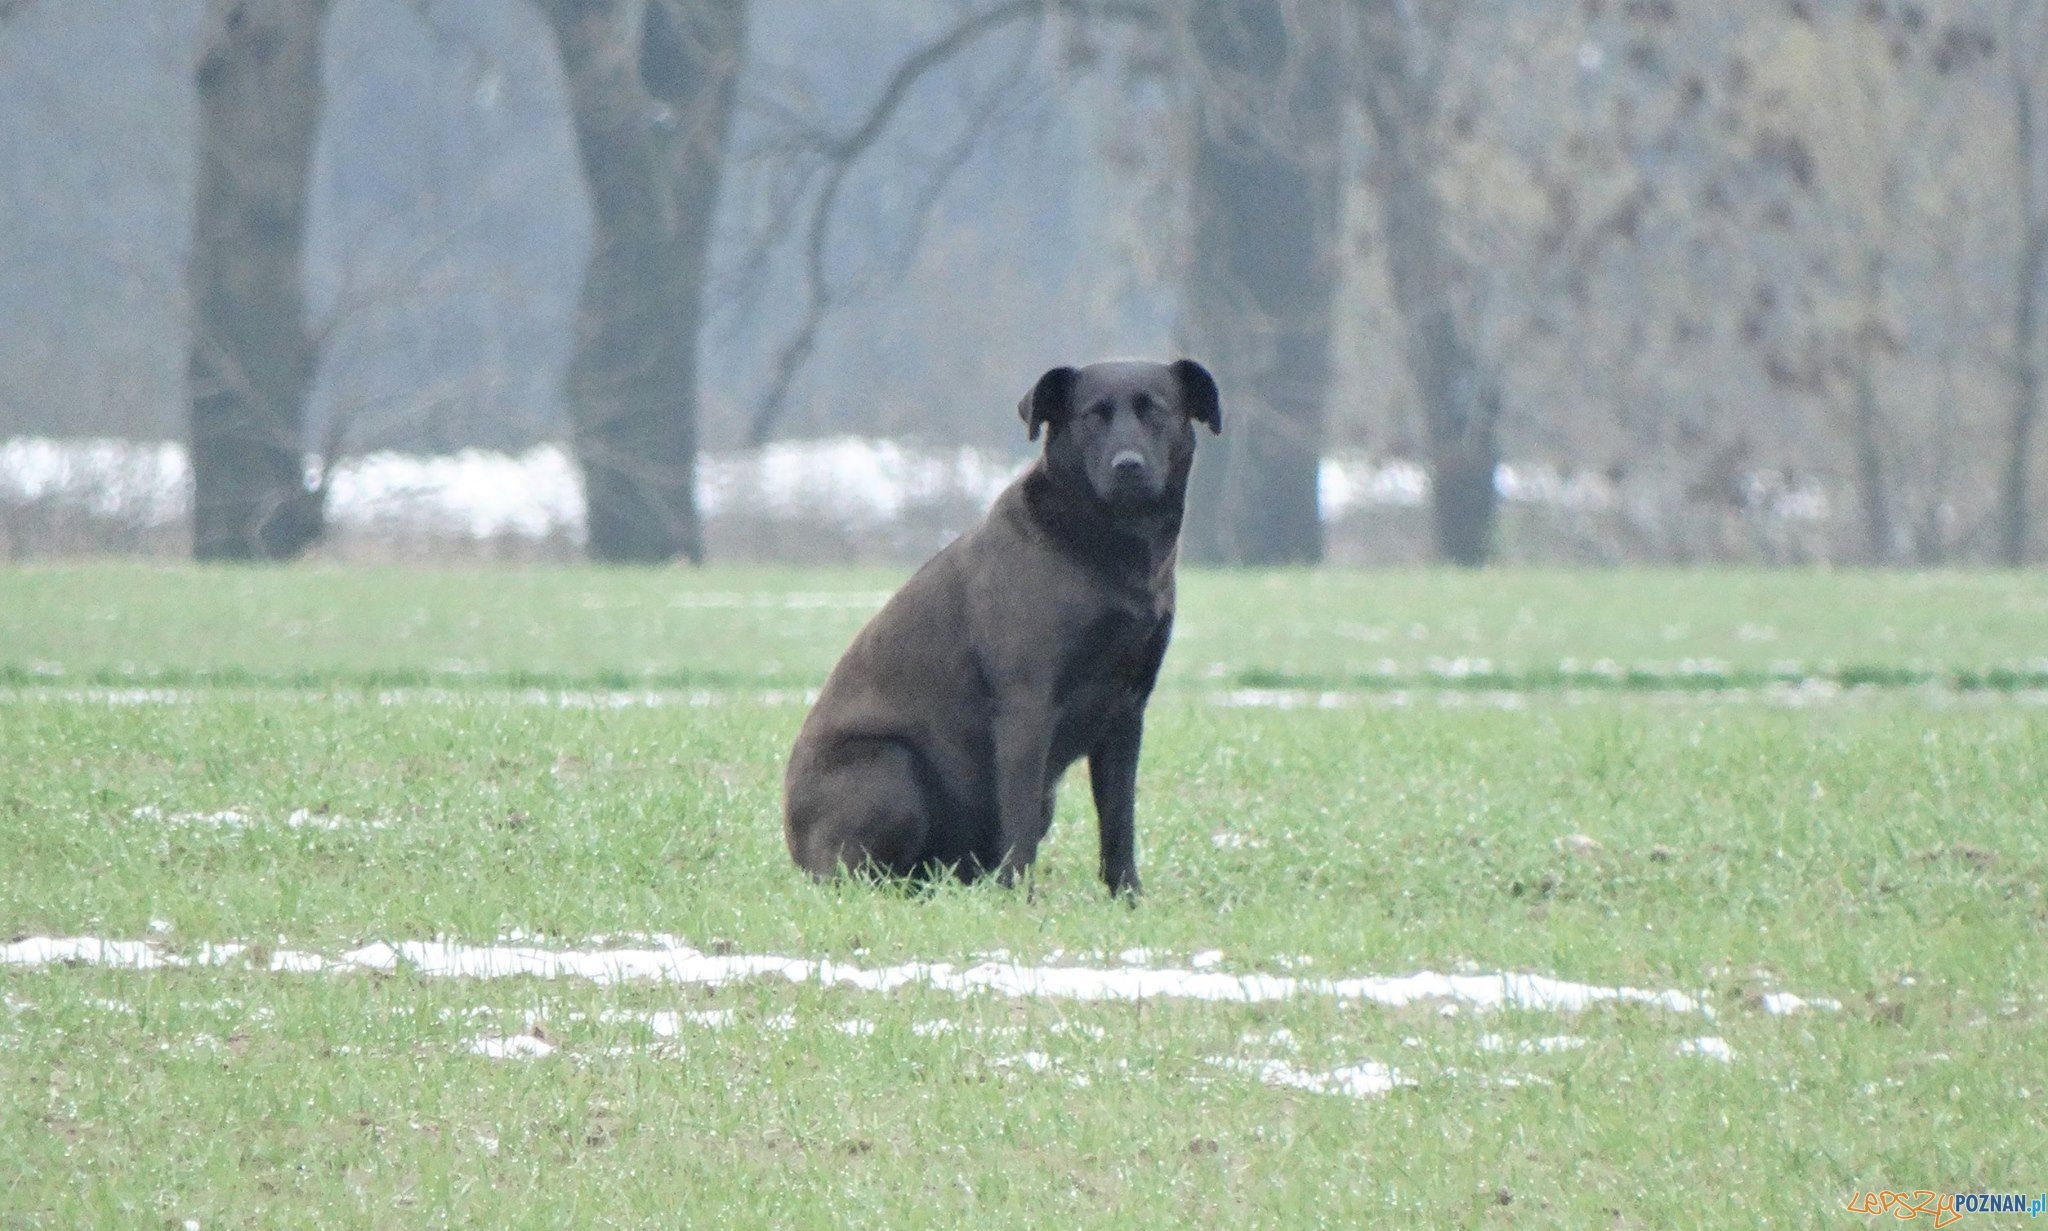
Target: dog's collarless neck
(1077, 520)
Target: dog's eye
(1142, 404)
(1102, 410)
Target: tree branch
(843, 152)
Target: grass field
(406, 898)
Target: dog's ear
(1198, 396)
(1049, 399)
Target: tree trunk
(250, 362)
(651, 85)
(2014, 515)
(1867, 425)
(1265, 199)
(1461, 400)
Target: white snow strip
(306, 818)
(234, 818)
(40, 951)
(1785, 1003)
(511, 1047)
(684, 965)
(1036, 1061)
(848, 480)
(665, 960)
(294, 962)
(1366, 1079)
(1530, 1047)
(1709, 1047)
(226, 818)
(537, 494)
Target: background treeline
(1761, 280)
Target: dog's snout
(1129, 462)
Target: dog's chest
(1108, 669)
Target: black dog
(1031, 641)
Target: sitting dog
(1027, 643)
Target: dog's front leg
(1023, 732)
(1113, 778)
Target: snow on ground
(665, 960)
(1711, 1047)
(239, 819)
(1366, 1079)
(538, 494)
(532, 495)
(661, 959)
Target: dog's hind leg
(866, 815)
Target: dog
(1030, 641)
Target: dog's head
(1125, 429)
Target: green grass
(1886, 847)
(122, 624)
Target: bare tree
(1264, 187)
(1265, 198)
(1884, 126)
(811, 166)
(1460, 395)
(652, 85)
(250, 362)
(1863, 183)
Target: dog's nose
(1128, 464)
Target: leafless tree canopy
(1602, 280)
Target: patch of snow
(306, 818)
(1036, 1061)
(149, 483)
(1351, 481)
(511, 1047)
(1529, 1047)
(534, 495)
(1785, 1003)
(235, 818)
(850, 480)
(666, 960)
(225, 818)
(1709, 1047)
(1366, 1079)
(39, 951)
(292, 961)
